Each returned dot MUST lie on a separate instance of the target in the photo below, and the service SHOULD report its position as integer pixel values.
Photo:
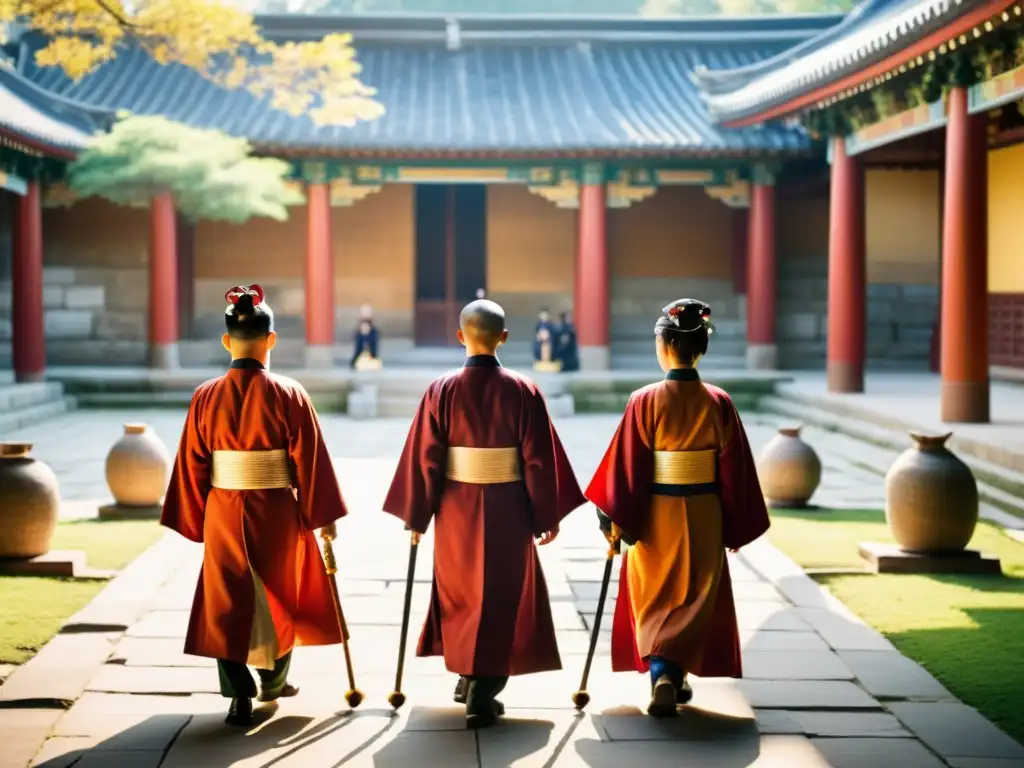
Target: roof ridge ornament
(452, 34)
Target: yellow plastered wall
(1005, 214)
(902, 226)
(531, 243)
(678, 232)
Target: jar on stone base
(29, 503)
(931, 498)
(138, 467)
(789, 469)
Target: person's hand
(548, 536)
(329, 531)
(614, 535)
(734, 551)
(415, 537)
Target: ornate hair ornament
(254, 290)
(675, 311)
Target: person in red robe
(483, 460)
(678, 485)
(252, 482)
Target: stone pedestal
(595, 358)
(59, 563)
(125, 512)
(363, 403)
(319, 356)
(762, 357)
(888, 558)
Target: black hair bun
(244, 307)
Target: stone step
(19, 418)
(17, 396)
(1000, 487)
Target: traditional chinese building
(936, 85)
(598, 165)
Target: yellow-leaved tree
(221, 42)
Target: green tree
(210, 175)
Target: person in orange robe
(484, 461)
(678, 483)
(252, 482)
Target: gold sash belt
(483, 466)
(685, 467)
(251, 470)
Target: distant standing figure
(367, 337)
(566, 349)
(544, 338)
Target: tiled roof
(30, 113)
(874, 31)
(487, 85)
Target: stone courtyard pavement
(822, 689)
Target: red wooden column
(163, 283)
(319, 279)
(847, 273)
(591, 306)
(964, 321)
(29, 335)
(762, 275)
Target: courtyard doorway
(451, 257)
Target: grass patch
(34, 609)
(967, 631)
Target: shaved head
(483, 322)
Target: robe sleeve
(744, 514)
(415, 491)
(184, 509)
(318, 494)
(621, 486)
(550, 481)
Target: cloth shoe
(664, 698)
(240, 712)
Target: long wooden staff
(353, 695)
(397, 698)
(581, 698)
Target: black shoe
(664, 698)
(240, 712)
(475, 720)
(287, 692)
(684, 692)
(461, 690)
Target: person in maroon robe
(678, 483)
(483, 460)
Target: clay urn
(138, 467)
(931, 498)
(29, 503)
(789, 469)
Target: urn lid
(132, 428)
(791, 430)
(930, 442)
(14, 450)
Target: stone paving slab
(806, 694)
(59, 672)
(875, 753)
(831, 724)
(953, 729)
(891, 675)
(794, 665)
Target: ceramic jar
(29, 503)
(789, 469)
(138, 467)
(931, 498)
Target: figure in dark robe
(483, 460)
(252, 482)
(678, 483)
(567, 350)
(544, 338)
(366, 339)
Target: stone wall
(901, 319)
